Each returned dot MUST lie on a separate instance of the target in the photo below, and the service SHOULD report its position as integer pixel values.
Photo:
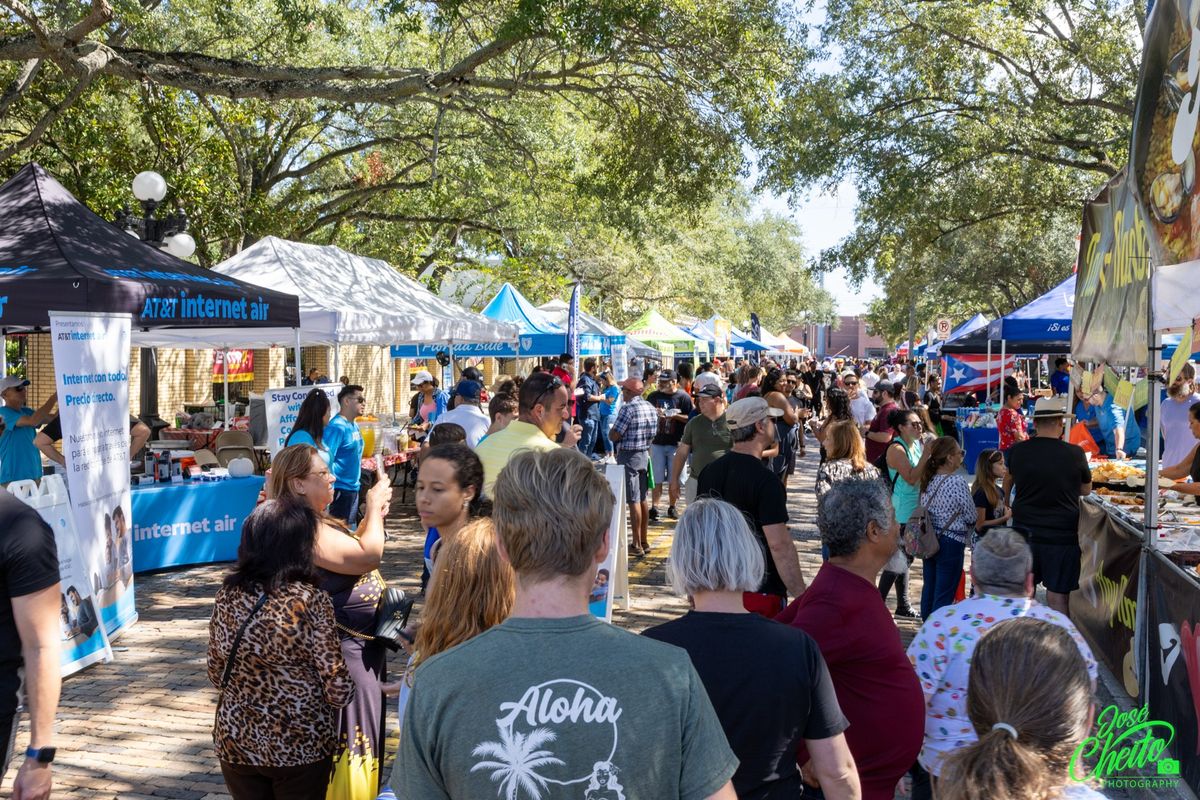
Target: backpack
(884, 472)
(920, 536)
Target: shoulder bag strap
(237, 641)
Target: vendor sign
(722, 335)
(1173, 685)
(1111, 290)
(175, 524)
(1104, 607)
(282, 406)
(91, 370)
(241, 365)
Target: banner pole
(225, 374)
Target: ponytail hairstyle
(468, 471)
(941, 450)
(1027, 675)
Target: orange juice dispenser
(368, 426)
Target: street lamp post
(167, 232)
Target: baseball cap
(707, 379)
(886, 386)
(667, 375)
(1048, 407)
(421, 377)
(634, 385)
(710, 390)
(468, 389)
(748, 411)
(12, 382)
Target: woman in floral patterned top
(947, 500)
(275, 726)
(1012, 424)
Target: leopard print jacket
(289, 678)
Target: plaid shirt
(637, 422)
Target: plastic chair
(234, 444)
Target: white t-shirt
(869, 379)
(862, 409)
(472, 418)
(941, 654)
(896, 377)
(1177, 435)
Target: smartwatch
(43, 755)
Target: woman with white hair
(768, 682)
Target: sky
(826, 218)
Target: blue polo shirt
(345, 444)
(1060, 382)
(19, 459)
(1113, 418)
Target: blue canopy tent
(539, 335)
(1042, 326)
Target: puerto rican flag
(966, 373)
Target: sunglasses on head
(552, 384)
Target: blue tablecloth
(974, 442)
(176, 524)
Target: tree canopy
(603, 141)
(973, 133)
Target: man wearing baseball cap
(19, 458)
(468, 411)
(633, 430)
(740, 478)
(705, 437)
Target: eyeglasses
(321, 474)
(850, 383)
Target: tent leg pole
(1003, 342)
(3, 355)
(225, 374)
(298, 375)
(337, 363)
(988, 389)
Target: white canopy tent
(349, 299)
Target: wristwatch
(44, 755)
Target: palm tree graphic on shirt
(517, 759)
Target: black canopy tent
(976, 343)
(57, 255)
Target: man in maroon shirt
(842, 611)
(880, 432)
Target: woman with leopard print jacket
(276, 715)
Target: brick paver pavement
(139, 727)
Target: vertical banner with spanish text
(91, 369)
(82, 636)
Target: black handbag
(391, 617)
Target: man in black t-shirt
(29, 638)
(1050, 475)
(740, 478)
(51, 432)
(674, 408)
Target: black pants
(307, 782)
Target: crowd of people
(774, 683)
